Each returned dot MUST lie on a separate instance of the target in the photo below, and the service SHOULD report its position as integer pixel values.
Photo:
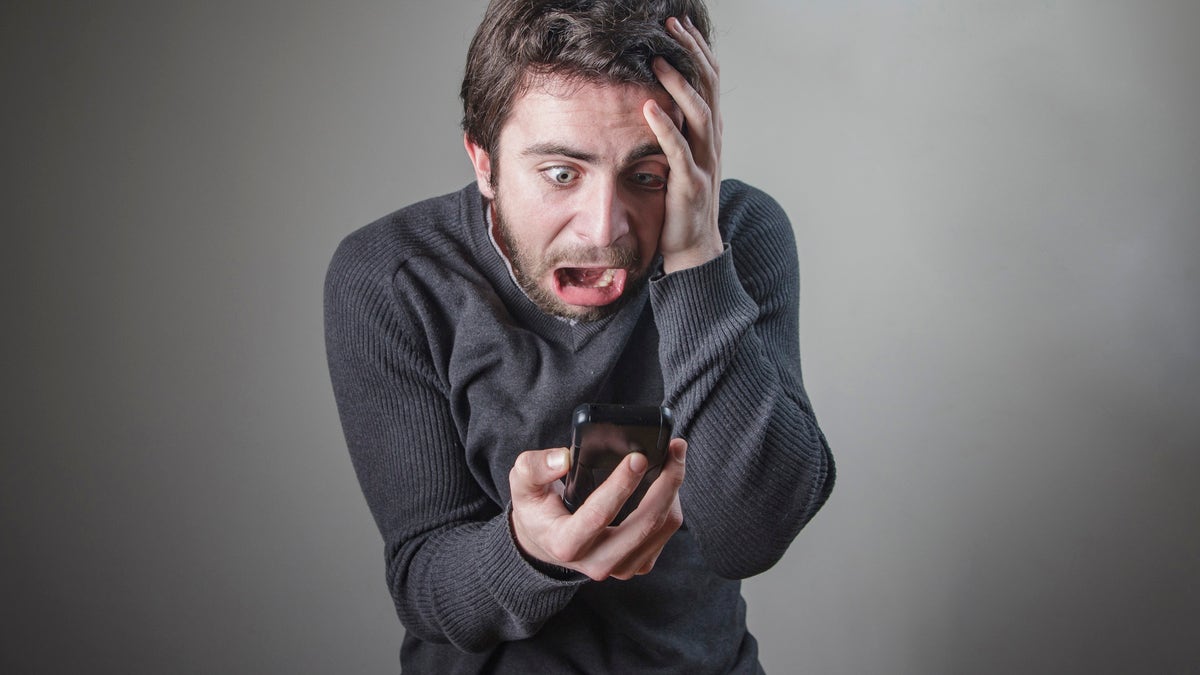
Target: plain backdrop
(997, 207)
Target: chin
(589, 314)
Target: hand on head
(689, 235)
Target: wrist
(538, 563)
(692, 257)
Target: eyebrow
(544, 149)
(643, 151)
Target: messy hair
(521, 42)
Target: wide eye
(560, 175)
(649, 181)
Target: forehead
(587, 116)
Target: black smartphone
(601, 436)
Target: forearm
(759, 466)
(454, 571)
(468, 585)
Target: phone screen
(602, 435)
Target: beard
(528, 268)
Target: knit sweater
(444, 371)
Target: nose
(604, 216)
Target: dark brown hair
(610, 41)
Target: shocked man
(597, 258)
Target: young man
(598, 258)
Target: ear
(482, 162)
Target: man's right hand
(584, 541)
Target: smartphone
(601, 436)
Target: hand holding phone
(583, 541)
(602, 435)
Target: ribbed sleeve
(759, 467)
(453, 568)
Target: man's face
(579, 194)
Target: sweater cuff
(520, 588)
(555, 572)
(690, 304)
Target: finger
(665, 489)
(640, 556)
(536, 470)
(701, 42)
(696, 109)
(642, 560)
(636, 543)
(670, 139)
(690, 38)
(602, 506)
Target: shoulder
(429, 228)
(402, 268)
(741, 200)
(748, 212)
(756, 228)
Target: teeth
(606, 279)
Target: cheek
(649, 222)
(533, 218)
(546, 231)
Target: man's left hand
(689, 236)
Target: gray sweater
(444, 372)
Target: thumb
(534, 470)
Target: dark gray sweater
(444, 372)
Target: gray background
(998, 215)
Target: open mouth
(589, 286)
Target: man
(597, 258)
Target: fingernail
(688, 19)
(658, 63)
(681, 453)
(674, 24)
(637, 462)
(557, 459)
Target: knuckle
(596, 572)
(523, 466)
(675, 478)
(673, 520)
(652, 526)
(516, 481)
(562, 550)
(593, 519)
(629, 485)
(678, 150)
